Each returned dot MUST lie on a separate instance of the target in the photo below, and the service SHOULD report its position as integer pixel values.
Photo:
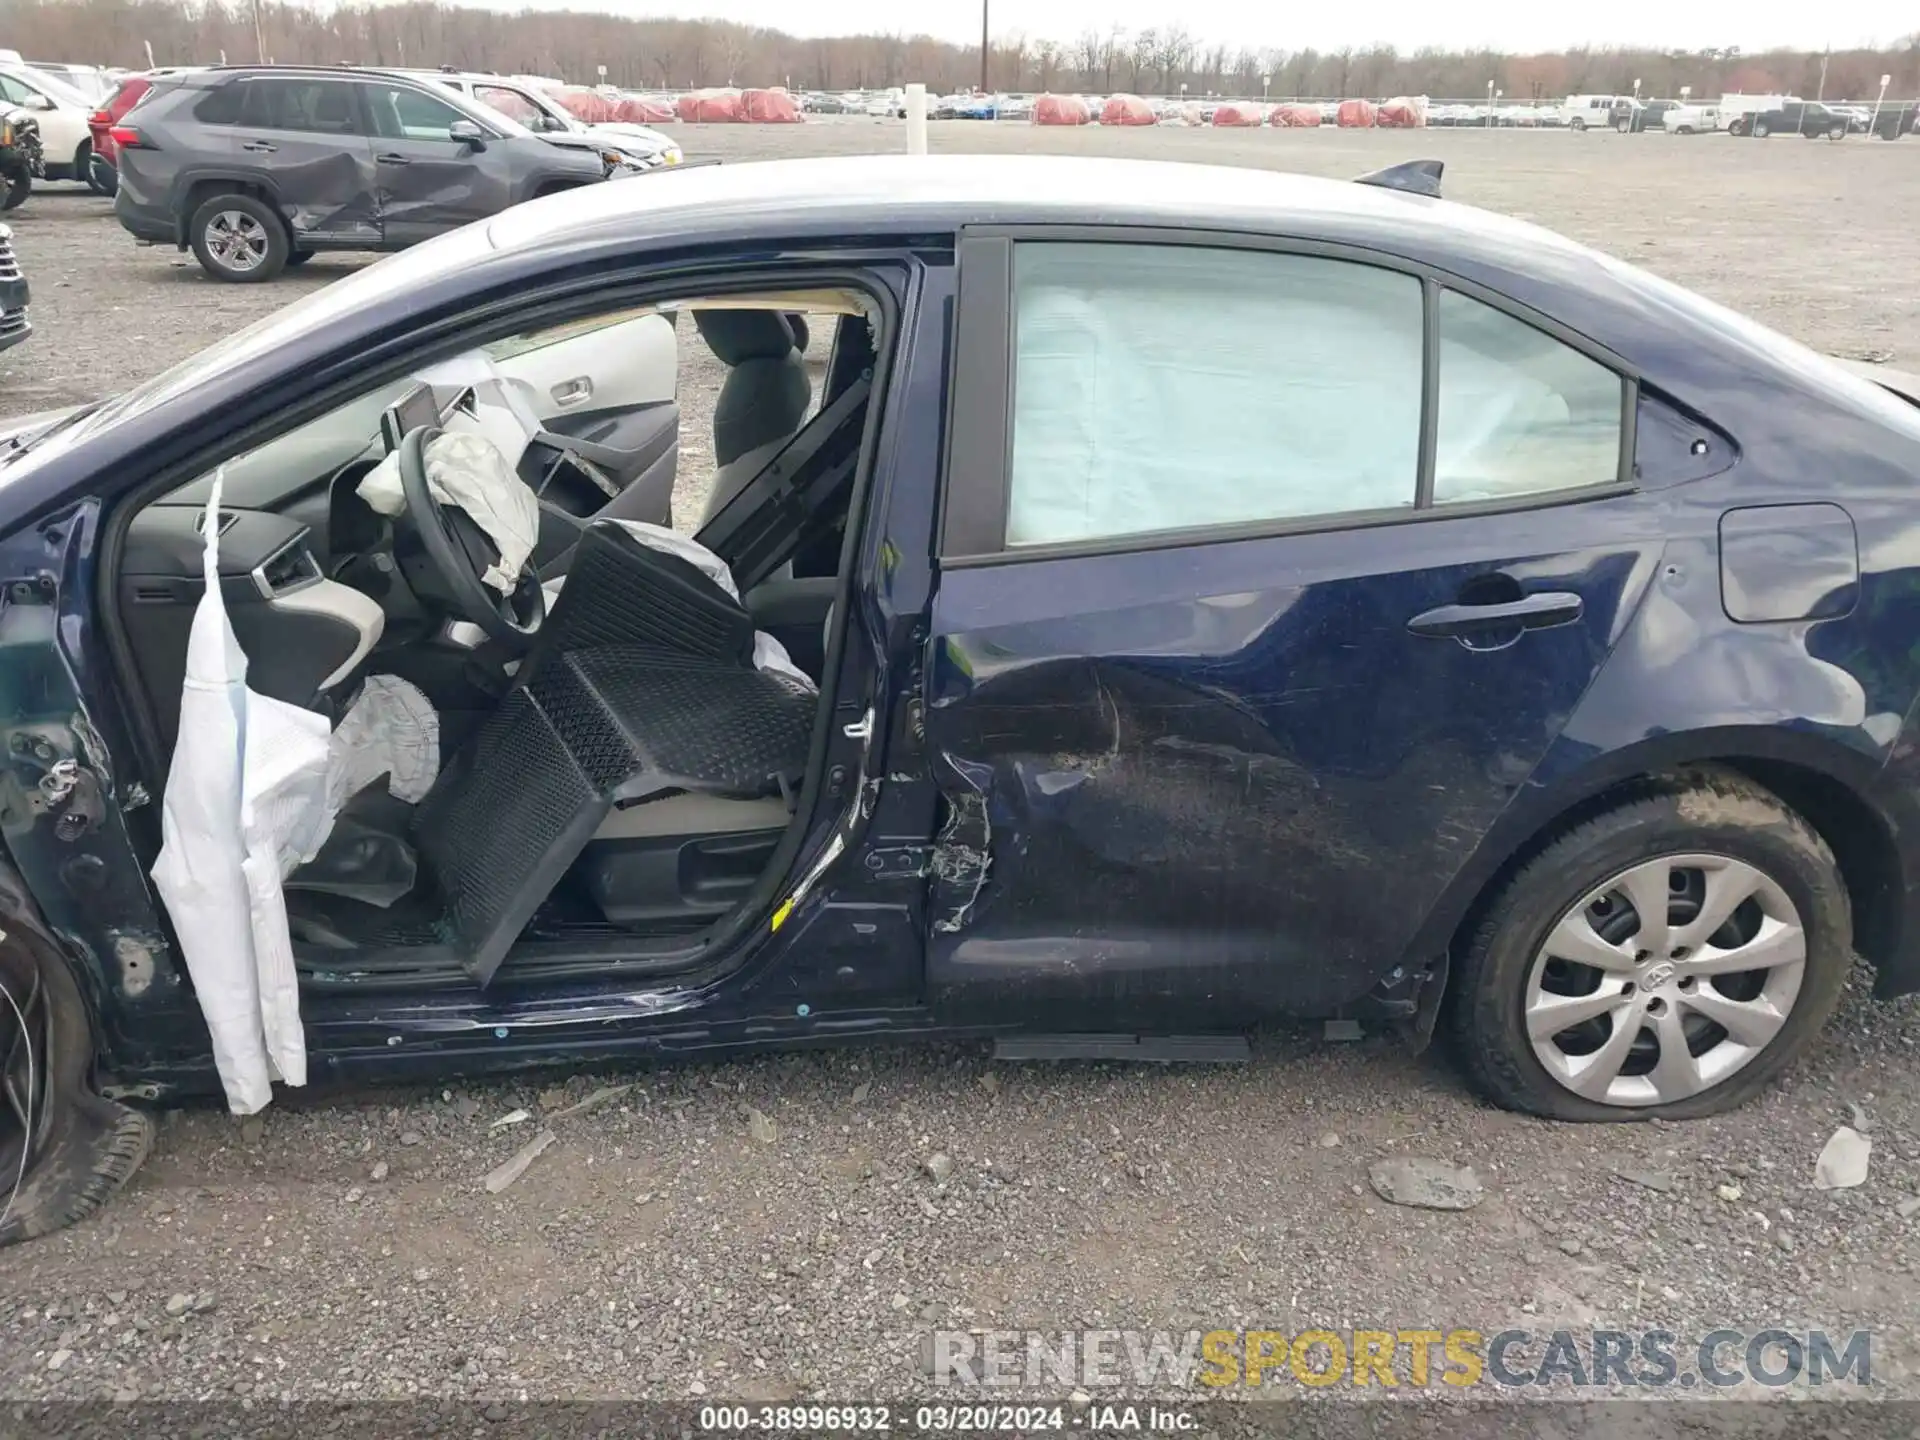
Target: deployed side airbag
(252, 792)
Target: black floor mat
(594, 728)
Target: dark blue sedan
(1184, 597)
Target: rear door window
(321, 107)
(1172, 387)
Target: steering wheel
(460, 553)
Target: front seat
(763, 400)
(641, 685)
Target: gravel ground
(780, 1228)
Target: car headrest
(735, 336)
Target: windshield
(385, 279)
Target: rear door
(429, 182)
(303, 135)
(1266, 578)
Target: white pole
(1884, 81)
(916, 118)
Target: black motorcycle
(20, 155)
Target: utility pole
(983, 46)
(259, 33)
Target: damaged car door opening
(1102, 628)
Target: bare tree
(1140, 57)
(1046, 62)
(572, 44)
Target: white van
(1591, 112)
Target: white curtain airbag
(251, 795)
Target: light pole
(1885, 80)
(1491, 92)
(983, 46)
(1265, 81)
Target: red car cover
(644, 112)
(1061, 110)
(586, 105)
(1235, 113)
(1126, 110)
(712, 107)
(769, 107)
(1357, 115)
(1296, 117)
(1402, 114)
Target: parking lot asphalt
(796, 1226)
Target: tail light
(128, 137)
(99, 117)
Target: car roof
(903, 192)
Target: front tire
(1659, 1021)
(1577, 124)
(63, 1149)
(19, 182)
(1761, 130)
(239, 239)
(296, 258)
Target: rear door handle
(260, 147)
(393, 160)
(1529, 612)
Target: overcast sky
(1509, 25)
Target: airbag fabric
(251, 795)
(469, 470)
(243, 768)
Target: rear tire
(1836, 132)
(1625, 127)
(1761, 130)
(102, 177)
(298, 257)
(1704, 823)
(1576, 124)
(239, 239)
(79, 1148)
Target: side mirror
(468, 132)
(37, 101)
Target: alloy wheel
(237, 241)
(1665, 980)
(26, 1108)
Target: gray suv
(257, 168)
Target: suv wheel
(1666, 959)
(63, 1149)
(102, 177)
(1837, 130)
(19, 181)
(239, 238)
(1624, 126)
(1761, 129)
(1577, 123)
